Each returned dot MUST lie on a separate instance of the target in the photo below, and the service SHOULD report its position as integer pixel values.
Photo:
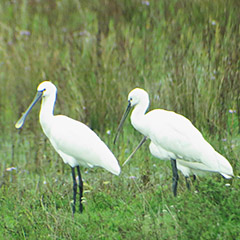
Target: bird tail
(116, 170)
(226, 176)
(225, 168)
(110, 163)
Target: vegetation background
(184, 53)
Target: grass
(36, 199)
(185, 54)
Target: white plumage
(181, 140)
(75, 142)
(182, 165)
(173, 137)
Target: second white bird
(173, 137)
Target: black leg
(195, 182)
(187, 183)
(175, 176)
(74, 190)
(194, 177)
(80, 189)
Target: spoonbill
(75, 142)
(173, 137)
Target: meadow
(184, 53)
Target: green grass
(184, 53)
(36, 199)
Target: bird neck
(46, 113)
(137, 116)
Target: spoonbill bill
(75, 142)
(173, 137)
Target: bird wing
(78, 141)
(176, 134)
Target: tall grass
(184, 53)
(90, 49)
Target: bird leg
(194, 177)
(74, 190)
(175, 176)
(187, 183)
(80, 189)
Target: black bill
(21, 121)
(122, 121)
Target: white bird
(173, 137)
(75, 142)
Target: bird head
(47, 88)
(136, 96)
(44, 89)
